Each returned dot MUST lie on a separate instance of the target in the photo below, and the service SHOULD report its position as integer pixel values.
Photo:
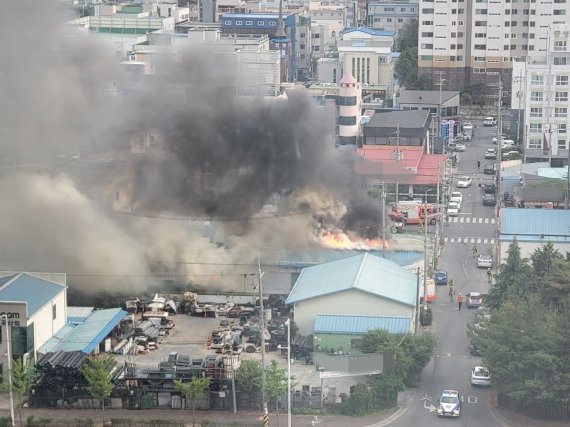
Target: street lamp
(4, 316)
(426, 219)
(288, 324)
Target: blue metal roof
(52, 343)
(87, 336)
(365, 272)
(535, 225)
(34, 291)
(371, 31)
(78, 315)
(358, 325)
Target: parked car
(489, 121)
(485, 261)
(453, 209)
(460, 147)
(490, 153)
(440, 278)
(489, 200)
(511, 155)
(489, 188)
(474, 348)
(235, 312)
(464, 182)
(457, 197)
(490, 168)
(474, 299)
(480, 376)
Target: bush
(426, 316)
(5, 422)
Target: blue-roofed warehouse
(533, 228)
(363, 285)
(333, 332)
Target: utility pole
(4, 316)
(418, 301)
(440, 84)
(383, 198)
(567, 198)
(262, 332)
(499, 145)
(398, 158)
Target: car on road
(489, 200)
(464, 182)
(474, 348)
(490, 154)
(480, 376)
(489, 188)
(474, 300)
(485, 261)
(490, 168)
(460, 147)
(457, 197)
(511, 155)
(440, 278)
(450, 404)
(489, 121)
(453, 209)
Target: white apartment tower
(541, 89)
(472, 43)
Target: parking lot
(190, 337)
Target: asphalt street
(452, 362)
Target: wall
(528, 248)
(347, 302)
(44, 324)
(18, 317)
(335, 342)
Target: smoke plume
(220, 158)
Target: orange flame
(341, 240)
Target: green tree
(409, 37)
(275, 385)
(407, 66)
(191, 390)
(99, 386)
(249, 376)
(22, 374)
(555, 286)
(543, 258)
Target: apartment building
(327, 23)
(541, 88)
(391, 15)
(474, 43)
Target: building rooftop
(535, 225)
(416, 119)
(78, 315)
(86, 336)
(24, 287)
(428, 97)
(370, 31)
(365, 272)
(359, 325)
(272, 15)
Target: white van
(489, 121)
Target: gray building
(392, 15)
(403, 128)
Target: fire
(341, 240)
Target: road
(452, 363)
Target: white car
(460, 147)
(480, 376)
(489, 121)
(456, 197)
(490, 153)
(450, 404)
(453, 209)
(484, 261)
(464, 182)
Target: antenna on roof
(280, 33)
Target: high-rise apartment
(472, 43)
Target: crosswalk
(477, 240)
(471, 220)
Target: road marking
(471, 399)
(486, 220)
(468, 220)
(485, 241)
(492, 220)
(472, 240)
(479, 240)
(480, 220)
(452, 240)
(461, 219)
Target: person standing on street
(460, 300)
(478, 165)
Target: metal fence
(538, 410)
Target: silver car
(480, 376)
(485, 261)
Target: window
(535, 128)
(54, 312)
(535, 143)
(480, 47)
(388, 19)
(532, 23)
(480, 11)
(480, 23)
(506, 47)
(513, 23)
(533, 12)
(347, 100)
(479, 59)
(388, 9)
(227, 22)
(427, 10)
(514, 12)
(537, 79)
(427, 46)
(262, 24)
(347, 120)
(559, 61)
(559, 12)
(531, 36)
(562, 144)
(248, 22)
(480, 35)
(561, 127)
(536, 112)
(426, 57)
(561, 80)
(460, 46)
(560, 45)
(239, 22)
(561, 96)
(507, 12)
(514, 46)
(427, 34)
(507, 24)
(559, 1)
(560, 112)
(536, 96)
(427, 22)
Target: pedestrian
(478, 164)
(460, 300)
